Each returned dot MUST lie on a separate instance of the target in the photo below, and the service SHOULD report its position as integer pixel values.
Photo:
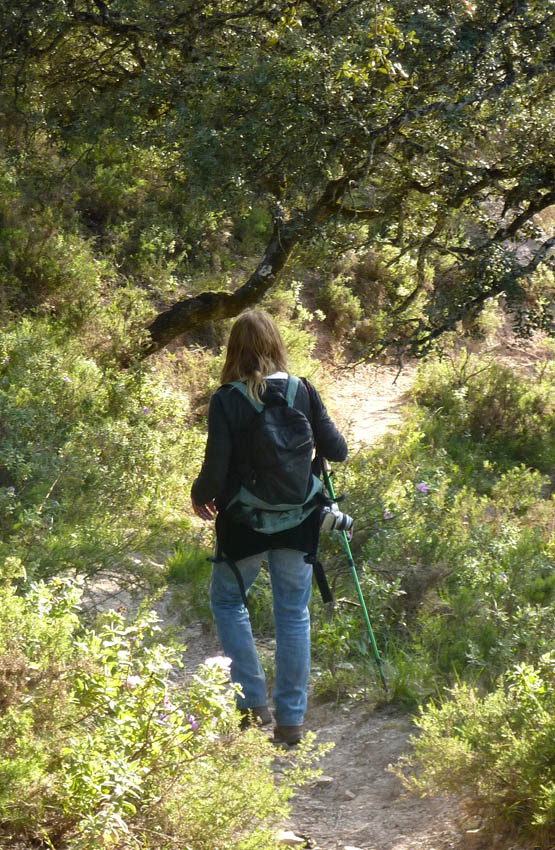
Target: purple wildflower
(192, 722)
(387, 514)
(422, 487)
(146, 409)
(66, 380)
(167, 703)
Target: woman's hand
(205, 512)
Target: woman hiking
(256, 361)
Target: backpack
(278, 490)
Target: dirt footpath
(358, 802)
(368, 400)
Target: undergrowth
(495, 749)
(95, 463)
(104, 744)
(454, 546)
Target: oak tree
(428, 128)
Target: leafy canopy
(426, 130)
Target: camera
(334, 520)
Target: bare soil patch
(368, 400)
(359, 802)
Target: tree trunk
(192, 312)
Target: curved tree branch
(475, 303)
(188, 314)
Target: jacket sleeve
(330, 443)
(212, 478)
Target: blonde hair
(255, 349)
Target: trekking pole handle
(326, 470)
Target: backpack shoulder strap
(290, 392)
(291, 389)
(243, 390)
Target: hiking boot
(258, 715)
(290, 735)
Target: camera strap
(321, 579)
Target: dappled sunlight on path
(366, 401)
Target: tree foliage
(426, 131)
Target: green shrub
(253, 229)
(497, 750)
(340, 305)
(94, 463)
(45, 261)
(453, 544)
(483, 409)
(104, 746)
(188, 568)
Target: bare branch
(360, 215)
(541, 255)
(536, 205)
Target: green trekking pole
(329, 485)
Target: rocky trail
(357, 803)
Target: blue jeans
(291, 579)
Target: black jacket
(230, 416)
